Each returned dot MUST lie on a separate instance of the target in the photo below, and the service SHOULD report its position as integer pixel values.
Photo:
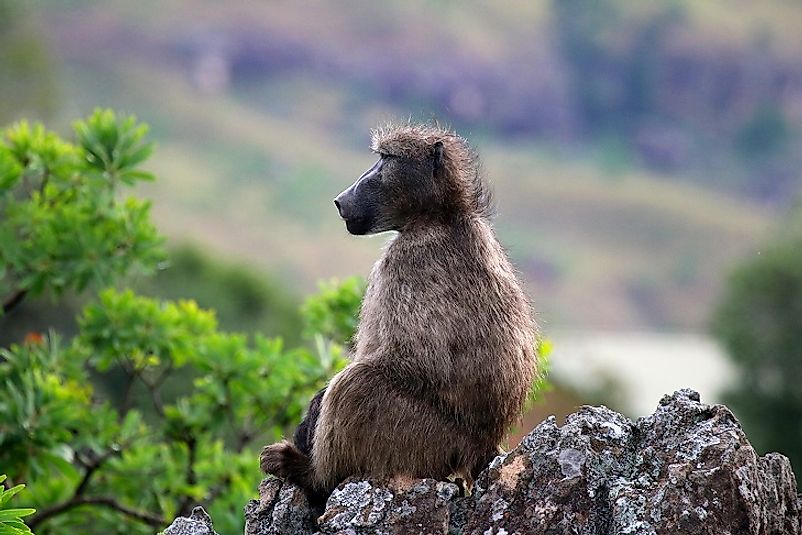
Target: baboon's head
(424, 172)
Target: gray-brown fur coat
(445, 349)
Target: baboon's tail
(285, 460)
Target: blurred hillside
(636, 149)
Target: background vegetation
(149, 409)
(619, 137)
(759, 319)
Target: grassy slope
(251, 173)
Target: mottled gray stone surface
(281, 508)
(198, 523)
(400, 505)
(686, 469)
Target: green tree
(62, 222)
(759, 321)
(168, 446)
(243, 299)
(192, 405)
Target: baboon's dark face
(360, 204)
(388, 195)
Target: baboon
(444, 353)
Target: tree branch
(78, 498)
(186, 502)
(91, 467)
(215, 491)
(154, 388)
(244, 436)
(163, 376)
(13, 300)
(129, 387)
(110, 503)
(45, 179)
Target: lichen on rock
(197, 523)
(686, 469)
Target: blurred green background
(638, 151)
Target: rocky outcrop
(198, 523)
(688, 468)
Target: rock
(282, 509)
(401, 505)
(198, 523)
(686, 469)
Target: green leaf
(12, 514)
(7, 494)
(10, 170)
(10, 519)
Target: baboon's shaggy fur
(445, 349)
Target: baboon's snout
(358, 204)
(355, 210)
(342, 203)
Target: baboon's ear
(437, 156)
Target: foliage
(759, 321)
(11, 522)
(189, 404)
(155, 459)
(62, 222)
(242, 299)
(334, 311)
(541, 384)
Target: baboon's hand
(286, 461)
(274, 457)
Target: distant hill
(623, 206)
